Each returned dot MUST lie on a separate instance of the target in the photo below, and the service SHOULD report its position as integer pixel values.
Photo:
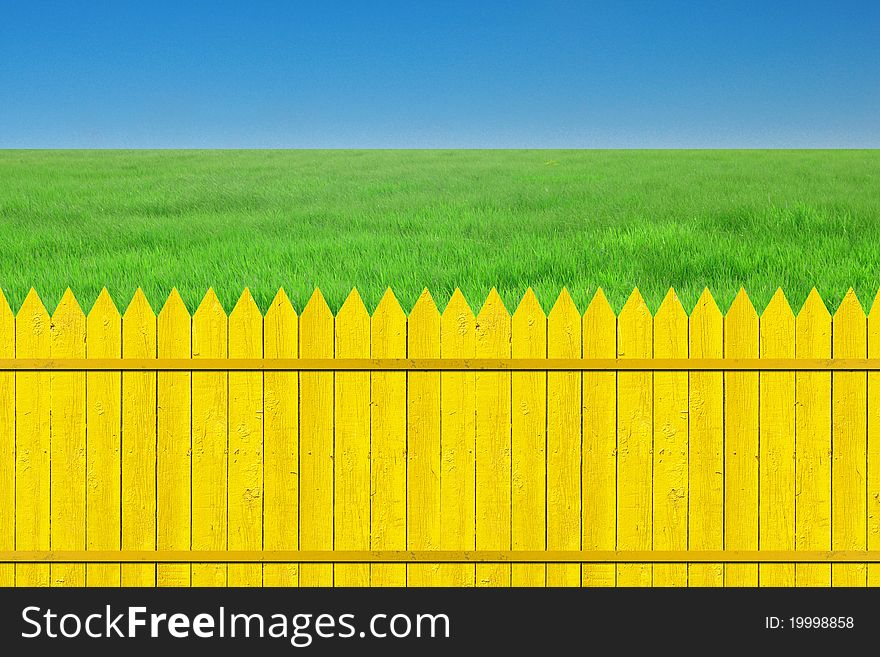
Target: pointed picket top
(68, 307)
(742, 308)
(7, 328)
(174, 306)
(706, 328)
(777, 328)
(671, 328)
(670, 309)
(423, 328)
(210, 304)
(246, 308)
(389, 308)
(457, 305)
(493, 328)
(874, 328)
(530, 308)
(778, 307)
(103, 328)
(388, 328)
(139, 308)
(564, 307)
(599, 328)
(814, 307)
(564, 328)
(634, 328)
(353, 306)
(281, 305)
(316, 306)
(103, 306)
(850, 308)
(424, 306)
(599, 308)
(32, 318)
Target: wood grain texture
(635, 402)
(423, 441)
(316, 451)
(564, 340)
(67, 393)
(32, 473)
(281, 442)
(670, 442)
(103, 446)
(706, 443)
(457, 441)
(352, 452)
(493, 428)
(813, 441)
(741, 448)
(388, 448)
(599, 455)
(174, 442)
(245, 486)
(210, 399)
(777, 443)
(849, 443)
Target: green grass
(439, 219)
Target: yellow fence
(559, 449)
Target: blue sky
(382, 74)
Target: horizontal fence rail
(439, 447)
(441, 364)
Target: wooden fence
(531, 453)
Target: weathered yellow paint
(67, 392)
(423, 441)
(529, 441)
(849, 443)
(813, 442)
(670, 497)
(209, 441)
(634, 432)
(741, 339)
(7, 442)
(316, 340)
(103, 455)
(32, 441)
(564, 338)
(599, 456)
(139, 441)
(245, 487)
(174, 443)
(493, 441)
(777, 485)
(706, 442)
(352, 471)
(873, 436)
(281, 442)
(457, 439)
(388, 442)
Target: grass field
(439, 219)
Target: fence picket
(7, 442)
(564, 339)
(281, 442)
(174, 443)
(245, 486)
(813, 442)
(104, 455)
(493, 441)
(423, 441)
(209, 441)
(670, 442)
(849, 443)
(388, 446)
